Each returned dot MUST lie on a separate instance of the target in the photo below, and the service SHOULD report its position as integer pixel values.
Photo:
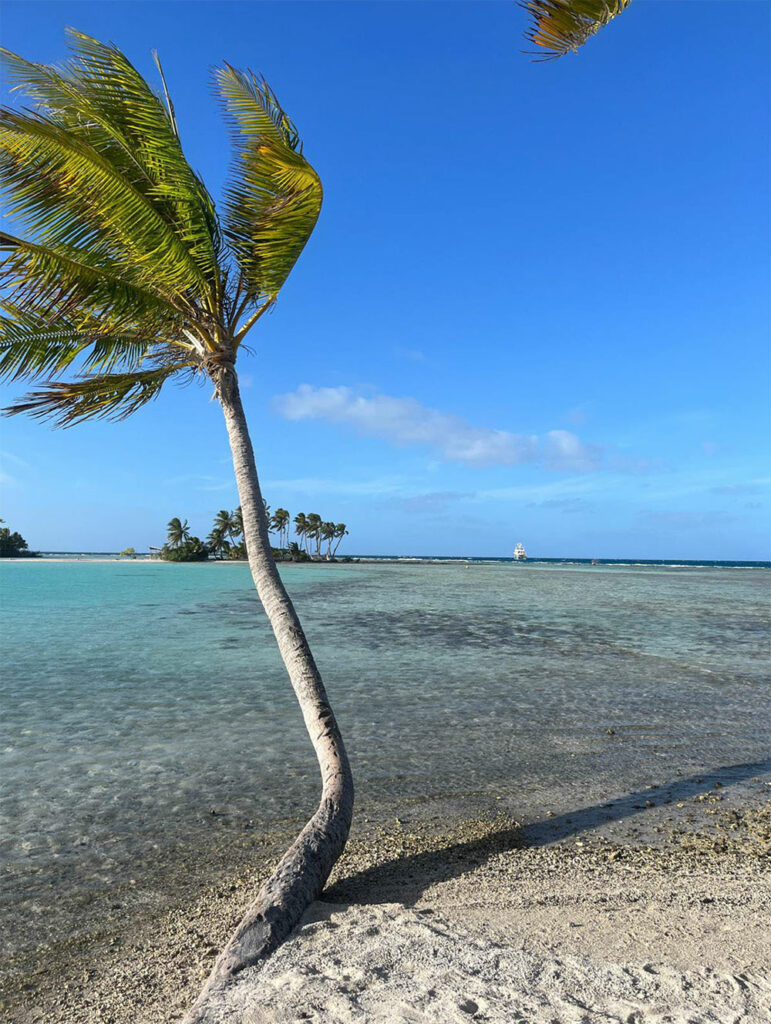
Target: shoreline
(404, 560)
(493, 885)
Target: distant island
(226, 538)
(13, 545)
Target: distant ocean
(479, 558)
(574, 561)
(147, 721)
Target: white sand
(486, 947)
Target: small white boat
(520, 555)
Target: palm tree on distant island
(224, 521)
(327, 533)
(177, 532)
(280, 523)
(301, 527)
(313, 530)
(340, 532)
(217, 542)
(126, 278)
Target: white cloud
(407, 421)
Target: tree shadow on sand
(404, 879)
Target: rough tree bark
(305, 867)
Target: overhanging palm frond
(49, 279)
(69, 193)
(99, 163)
(32, 348)
(274, 195)
(103, 396)
(561, 26)
(101, 96)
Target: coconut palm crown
(562, 26)
(126, 275)
(177, 532)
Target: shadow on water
(404, 879)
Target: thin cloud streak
(13, 459)
(406, 421)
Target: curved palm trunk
(305, 867)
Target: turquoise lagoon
(146, 718)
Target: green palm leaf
(110, 396)
(274, 196)
(32, 348)
(100, 98)
(69, 193)
(50, 279)
(561, 26)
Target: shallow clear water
(138, 697)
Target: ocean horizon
(555, 560)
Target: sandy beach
(424, 923)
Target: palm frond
(68, 193)
(562, 26)
(35, 347)
(112, 167)
(47, 280)
(103, 396)
(118, 275)
(273, 198)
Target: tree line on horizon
(226, 538)
(13, 545)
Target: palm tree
(177, 532)
(314, 530)
(340, 532)
(218, 542)
(327, 531)
(128, 277)
(223, 522)
(561, 26)
(280, 522)
(236, 532)
(221, 535)
(301, 527)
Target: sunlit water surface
(138, 698)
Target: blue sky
(535, 308)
